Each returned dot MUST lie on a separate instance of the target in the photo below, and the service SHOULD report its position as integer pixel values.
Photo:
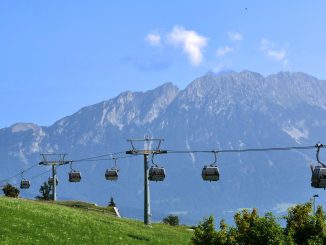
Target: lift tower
(145, 152)
(60, 160)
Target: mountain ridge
(232, 110)
(127, 95)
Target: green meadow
(35, 222)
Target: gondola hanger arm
(317, 154)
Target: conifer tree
(111, 203)
(45, 191)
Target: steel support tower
(54, 163)
(145, 152)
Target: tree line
(303, 227)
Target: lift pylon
(60, 160)
(145, 152)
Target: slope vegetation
(33, 222)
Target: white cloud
(235, 36)
(223, 51)
(180, 213)
(272, 51)
(190, 41)
(153, 39)
(277, 54)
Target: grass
(33, 222)
(87, 206)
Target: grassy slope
(32, 222)
(87, 206)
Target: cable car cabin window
(25, 184)
(322, 173)
(156, 174)
(111, 174)
(74, 176)
(318, 178)
(210, 173)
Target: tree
(111, 203)
(267, 231)
(249, 229)
(205, 232)
(245, 221)
(304, 227)
(171, 220)
(45, 191)
(10, 191)
(320, 225)
(252, 229)
(223, 236)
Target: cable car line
(25, 170)
(103, 159)
(95, 157)
(7, 179)
(36, 176)
(270, 149)
(112, 156)
(246, 150)
(156, 173)
(20, 173)
(91, 159)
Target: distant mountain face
(226, 111)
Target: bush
(205, 233)
(171, 220)
(10, 191)
(45, 191)
(302, 227)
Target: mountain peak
(219, 73)
(22, 127)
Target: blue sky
(58, 56)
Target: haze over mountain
(229, 110)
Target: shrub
(171, 220)
(10, 191)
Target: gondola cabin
(25, 184)
(74, 176)
(318, 178)
(111, 174)
(156, 173)
(50, 181)
(210, 173)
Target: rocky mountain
(229, 110)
